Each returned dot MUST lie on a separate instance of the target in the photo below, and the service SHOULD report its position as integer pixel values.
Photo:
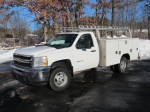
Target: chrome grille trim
(23, 60)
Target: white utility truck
(74, 50)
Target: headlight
(40, 61)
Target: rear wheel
(59, 79)
(122, 67)
(113, 68)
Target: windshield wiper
(47, 44)
(56, 46)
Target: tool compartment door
(112, 53)
(135, 44)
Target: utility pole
(148, 13)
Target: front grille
(22, 60)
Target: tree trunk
(149, 27)
(96, 15)
(14, 41)
(113, 15)
(80, 8)
(55, 24)
(76, 17)
(14, 44)
(71, 17)
(71, 13)
(45, 31)
(103, 13)
(78, 11)
(113, 12)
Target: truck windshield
(62, 40)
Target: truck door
(85, 58)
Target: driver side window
(83, 39)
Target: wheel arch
(66, 63)
(127, 56)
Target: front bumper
(32, 76)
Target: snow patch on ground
(6, 55)
(144, 49)
(11, 83)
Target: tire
(122, 67)
(59, 79)
(113, 68)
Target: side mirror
(79, 46)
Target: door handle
(93, 51)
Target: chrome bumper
(31, 76)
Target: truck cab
(55, 62)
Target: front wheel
(59, 79)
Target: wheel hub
(60, 79)
(123, 65)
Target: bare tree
(149, 27)
(18, 27)
(114, 9)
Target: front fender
(58, 56)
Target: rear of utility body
(112, 50)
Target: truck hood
(34, 50)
